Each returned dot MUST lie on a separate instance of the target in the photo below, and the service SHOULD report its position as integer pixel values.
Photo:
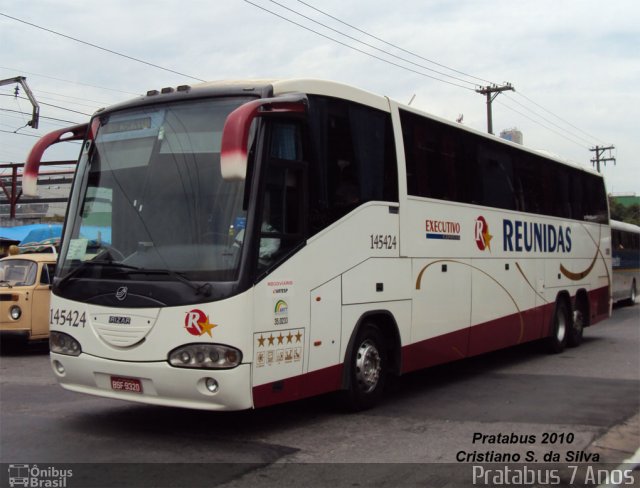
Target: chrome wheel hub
(368, 366)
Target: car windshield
(17, 272)
(150, 196)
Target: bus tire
(560, 326)
(579, 322)
(368, 368)
(632, 294)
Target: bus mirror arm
(235, 134)
(31, 167)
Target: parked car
(25, 292)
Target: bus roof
(278, 87)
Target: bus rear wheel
(368, 369)
(579, 322)
(632, 294)
(559, 328)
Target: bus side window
(436, 158)
(282, 225)
(354, 159)
(496, 186)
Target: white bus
(625, 261)
(266, 241)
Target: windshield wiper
(204, 289)
(88, 264)
(5, 283)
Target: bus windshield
(152, 199)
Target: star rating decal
(278, 347)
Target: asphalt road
(515, 406)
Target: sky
(574, 64)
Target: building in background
(513, 135)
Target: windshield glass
(153, 197)
(18, 272)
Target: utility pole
(36, 108)
(599, 150)
(492, 91)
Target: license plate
(126, 384)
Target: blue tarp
(45, 233)
(34, 232)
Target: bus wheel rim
(368, 366)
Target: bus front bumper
(160, 383)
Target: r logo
(482, 236)
(197, 323)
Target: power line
(355, 48)
(420, 57)
(47, 104)
(42, 117)
(111, 51)
(394, 45)
(93, 105)
(372, 46)
(329, 38)
(544, 126)
(577, 136)
(68, 81)
(557, 117)
(20, 133)
(454, 70)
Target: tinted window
(496, 185)
(282, 225)
(448, 163)
(595, 207)
(354, 159)
(437, 159)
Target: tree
(630, 214)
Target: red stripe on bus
(479, 339)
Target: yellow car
(25, 293)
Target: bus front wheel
(368, 366)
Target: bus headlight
(15, 312)
(205, 356)
(62, 343)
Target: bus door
(280, 322)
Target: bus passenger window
(496, 178)
(354, 159)
(282, 225)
